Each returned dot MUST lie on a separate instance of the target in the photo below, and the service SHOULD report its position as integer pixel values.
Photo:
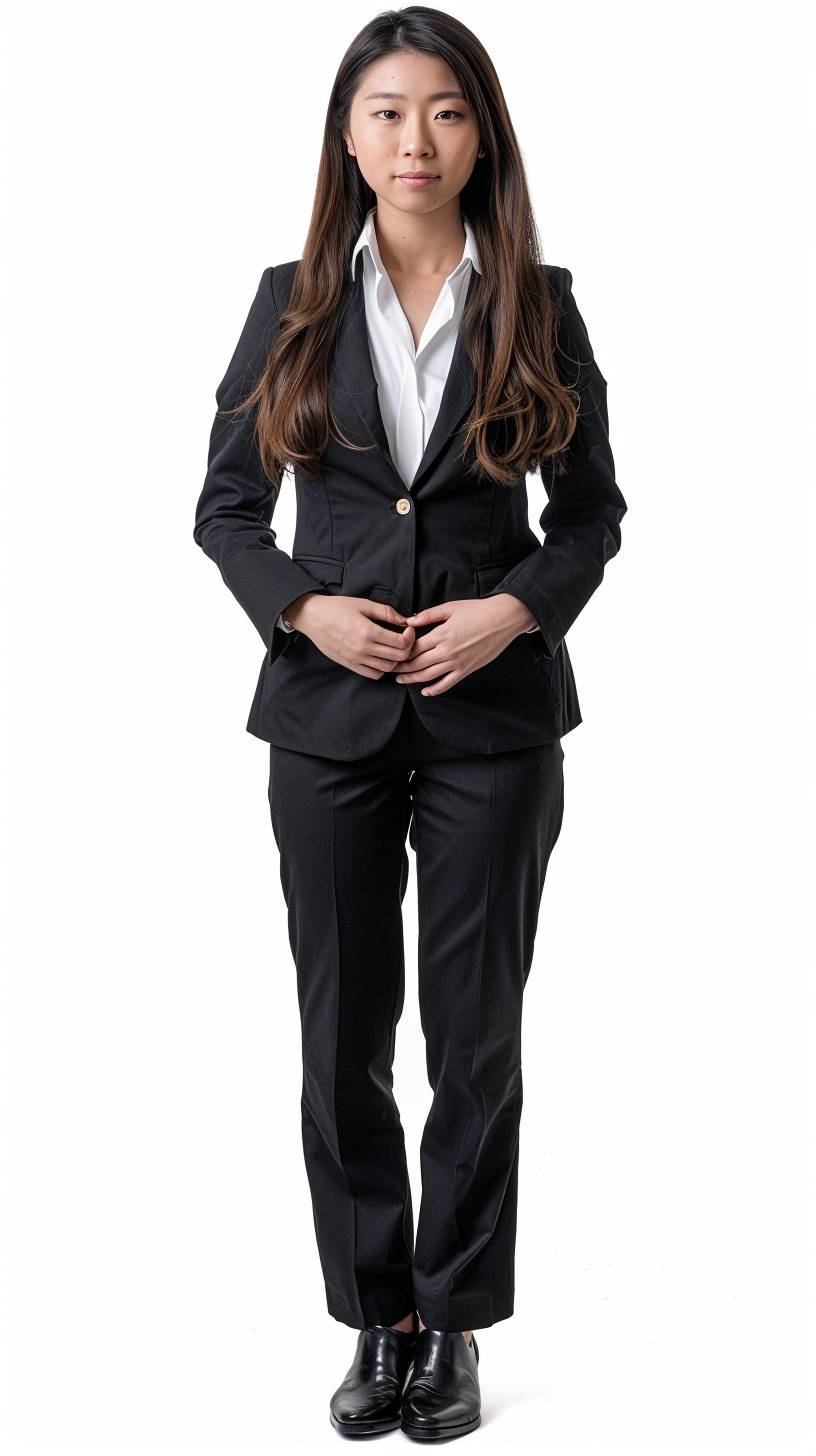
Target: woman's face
(409, 115)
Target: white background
(161, 1285)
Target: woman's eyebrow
(398, 96)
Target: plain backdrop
(161, 1289)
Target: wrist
(519, 614)
(292, 616)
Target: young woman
(412, 367)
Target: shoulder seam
(560, 277)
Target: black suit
(473, 777)
(458, 537)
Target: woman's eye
(388, 113)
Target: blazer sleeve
(585, 507)
(234, 511)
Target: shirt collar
(368, 238)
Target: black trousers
(482, 828)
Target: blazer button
(403, 505)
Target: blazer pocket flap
(323, 568)
(491, 572)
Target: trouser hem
(372, 1309)
(467, 1311)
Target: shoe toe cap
(351, 1411)
(431, 1407)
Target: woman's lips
(408, 181)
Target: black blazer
(361, 532)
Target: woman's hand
(348, 630)
(469, 634)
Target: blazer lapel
(352, 381)
(456, 401)
(353, 388)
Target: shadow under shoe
(369, 1399)
(442, 1397)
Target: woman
(412, 367)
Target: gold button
(403, 505)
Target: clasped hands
(359, 634)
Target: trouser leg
(483, 829)
(341, 829)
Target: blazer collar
(353, 384)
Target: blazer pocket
(325, 569)
(489, 573)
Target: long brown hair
(523, 413)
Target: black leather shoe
(442, 1397)
(369, 1399)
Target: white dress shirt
(410, 380)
